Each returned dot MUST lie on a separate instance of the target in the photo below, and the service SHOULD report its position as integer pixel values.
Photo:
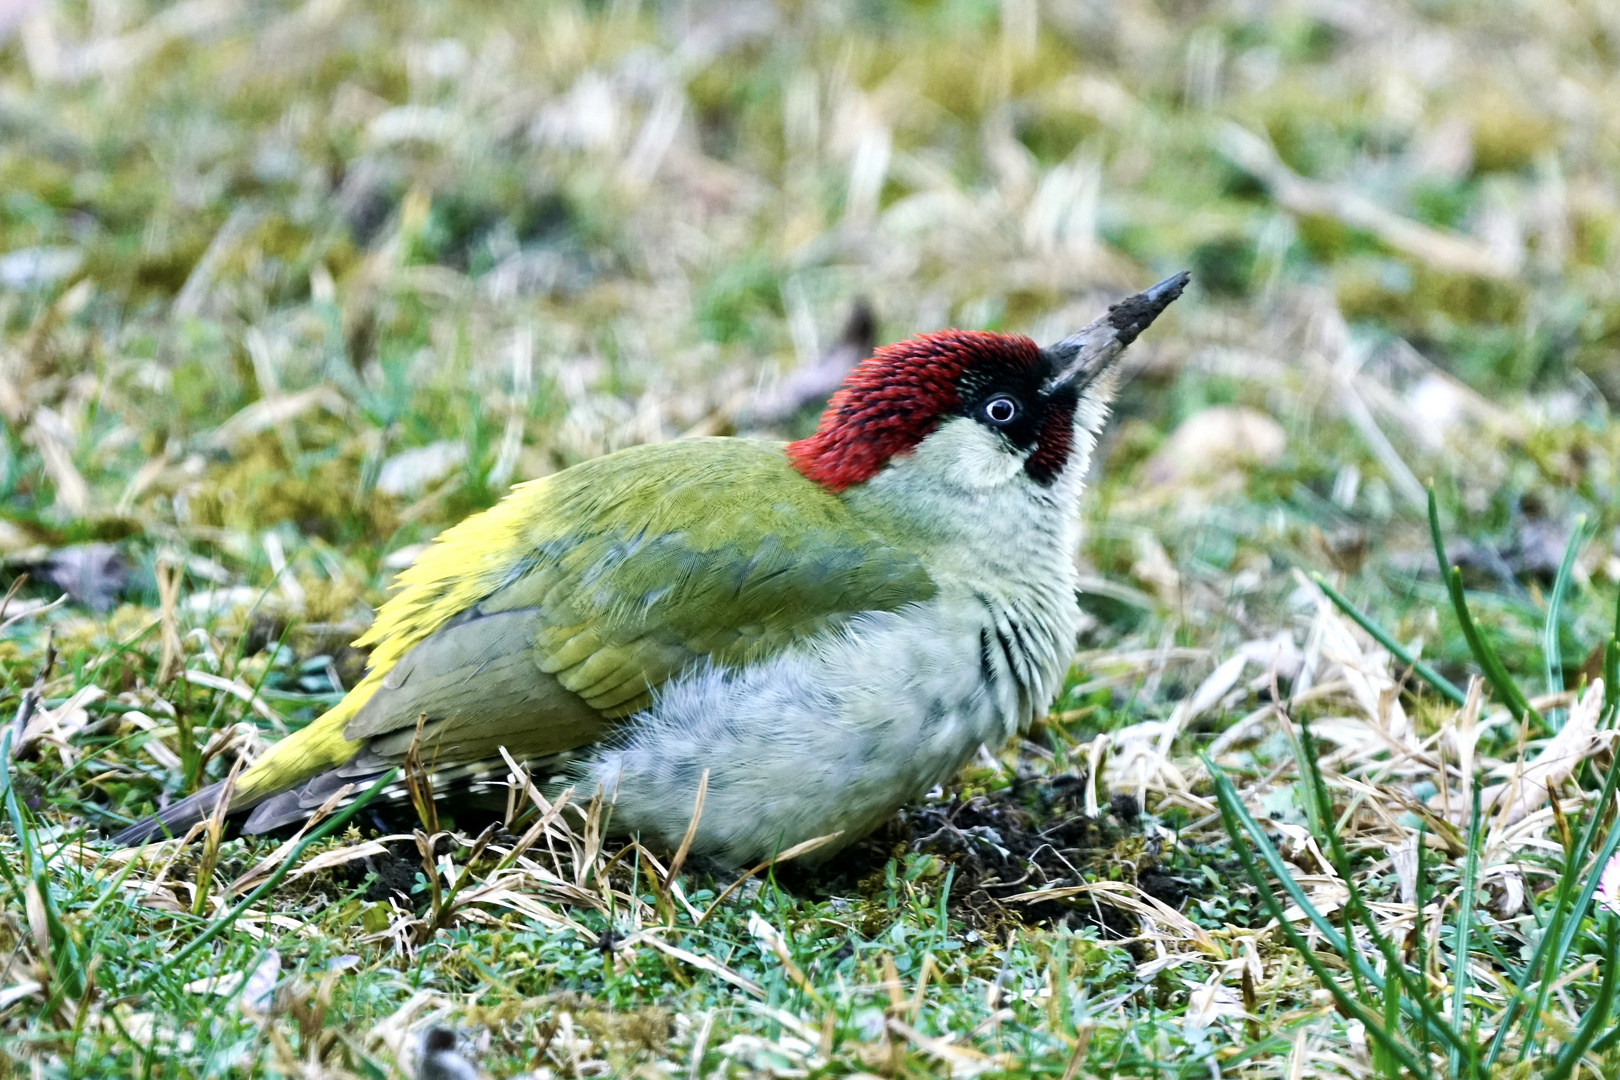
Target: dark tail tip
(173, 820)
(1135, 314)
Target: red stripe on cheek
(1056, 442)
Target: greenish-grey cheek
(964, 453)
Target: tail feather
(298, 803)
(173, 820)
(311, 752)
(473, 779)
(295, 804)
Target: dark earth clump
(1031, 836)
(390, 874)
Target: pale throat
(968, 501)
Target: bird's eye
(1000, 410)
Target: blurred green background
(255, 253)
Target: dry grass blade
(32, 610)
(1531, 782)
(704, 963)
(700, 1043)
(32, 696)
(11, 591)
(58, 726)
(169, 576)
(770, 937)
(50, 436)
(267, 864)
(419, 783)
(213, 836)
(326, 860)
(1082, 1040)
(237, 689)
(962, 1061)
(679, 860)
(445, 905)
(1130, 898)
(274, 413)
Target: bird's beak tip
(1135, 314)
(1080, 356)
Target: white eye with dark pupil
(1000, 410)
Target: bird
(815, 632)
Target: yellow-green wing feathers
(719, 551)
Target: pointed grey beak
(1084, 355)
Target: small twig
(5, 601)
(32, 696)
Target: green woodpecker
(828, 628)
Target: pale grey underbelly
(828, 738)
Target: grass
(287, 289)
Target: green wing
(571, 601)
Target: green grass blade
(1565, 909)
(1367, 996)
(1611, 680)
(1225, 792)
(1419, 930)
(1235, 816)
(1392, 1024)
(1465, 924)
(65, 963)
(1434, 532)
(1396, 974)
(1231, 815)
(1608, 1041)
(1446, 688)
(1319, 819)
(1484, 653)
(1550, 647)
(1572, 921)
